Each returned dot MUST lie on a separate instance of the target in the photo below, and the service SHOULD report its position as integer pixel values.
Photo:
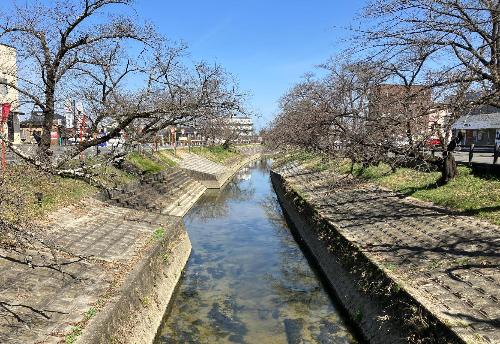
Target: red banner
(5, 112)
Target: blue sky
(267, 45)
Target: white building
(481, 130)
(243, 126)
(9, 97)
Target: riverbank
(103, 268)
(405, 270)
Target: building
(34, 126)
(9, 97)
(481, 129)
(402, 107)
(243, 129)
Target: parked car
(433, 143)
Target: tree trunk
(48, 120)
(449, 170)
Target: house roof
(481, 121)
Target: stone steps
(186, 201)
(199, 164)
(171, 193)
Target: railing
(487, 148)
(477, 148)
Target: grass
(166, 157)
(20, 186)
(298, 156)
(145, 163)
(216, 153)
(90, 313)
(159, 233)
(76, 331)
(312, 161)
(468, 193)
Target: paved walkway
(449, 263)
(41, 304)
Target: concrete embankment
(213, 175)
(137, 310)
(400, 269)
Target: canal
(247, 281)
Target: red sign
(5, 112)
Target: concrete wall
(136, 313)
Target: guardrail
(473, 149)
(477, 148)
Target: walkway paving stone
(41, 304)
(450, 263)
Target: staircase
(209, 173)
(171, 192)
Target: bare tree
(129, 79)
(359, 112)
(460, 40)
(55, 40)
(461, 35)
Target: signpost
(174, 141)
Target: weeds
(76, 331)
(159, 233)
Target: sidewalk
(447, 262)
(51, 301)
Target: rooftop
(480, 121)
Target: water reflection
(247, 280)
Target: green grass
(299, 156)
(216, 153)
(468, 193)
(159, 233)
(144, 163)
(76, 331)
(166, 157)
(90, 313)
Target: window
(4, 89)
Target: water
(247, 281)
